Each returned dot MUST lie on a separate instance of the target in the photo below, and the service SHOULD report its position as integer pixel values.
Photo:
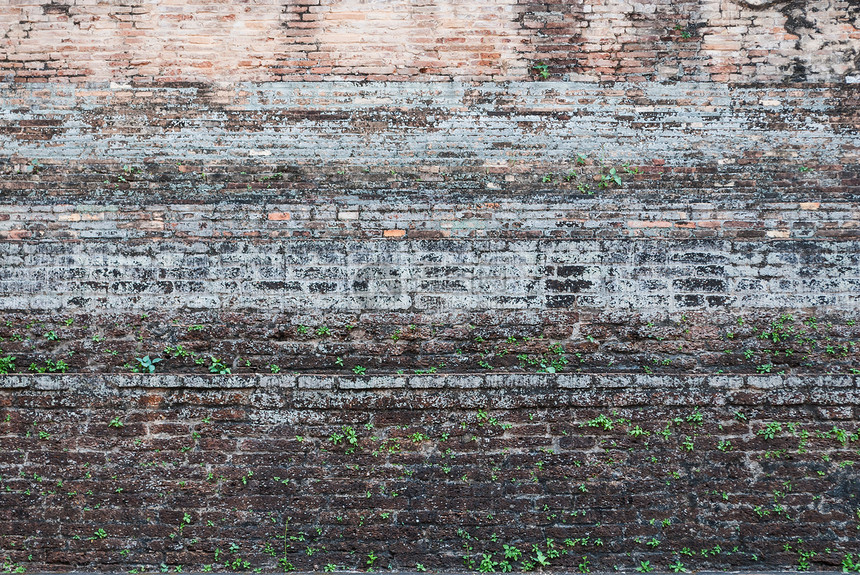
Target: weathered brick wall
(499, 40)
(740, 134)
(599, 472)
(595, 264)
(407, 220)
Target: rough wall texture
(596, 265)
(400, 217)
(280, 472)
(711, 40)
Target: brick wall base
(438, 472)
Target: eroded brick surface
(311, 128)
(399, 218)
(152, 42)
(422, 280)
(141, 471)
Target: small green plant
(771, 430)
(849, 565)
(539, 557)
(601, 421)
(358, 370)
(116, 422)
(487, 564)
(512, 553)
(50, 366)
(584, 565)
(609, 178)
(218, 366)
(146, 364)
(804, 559)
(176, 351)
(685, 34)
(542, 70)
(644, 567)
(696, 418)
(7, 364)
(9, 567)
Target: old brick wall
(274, 472)
(585, 272)
(483, 40)
(401, 218)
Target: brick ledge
(449, 381)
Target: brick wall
(755, 138)
(498, 40)
(599, 472)
(425, 279)
(407, 220)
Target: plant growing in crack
(146, 364)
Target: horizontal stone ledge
(446, 572)
(411, 92)
(751, 572)
(522, 382)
